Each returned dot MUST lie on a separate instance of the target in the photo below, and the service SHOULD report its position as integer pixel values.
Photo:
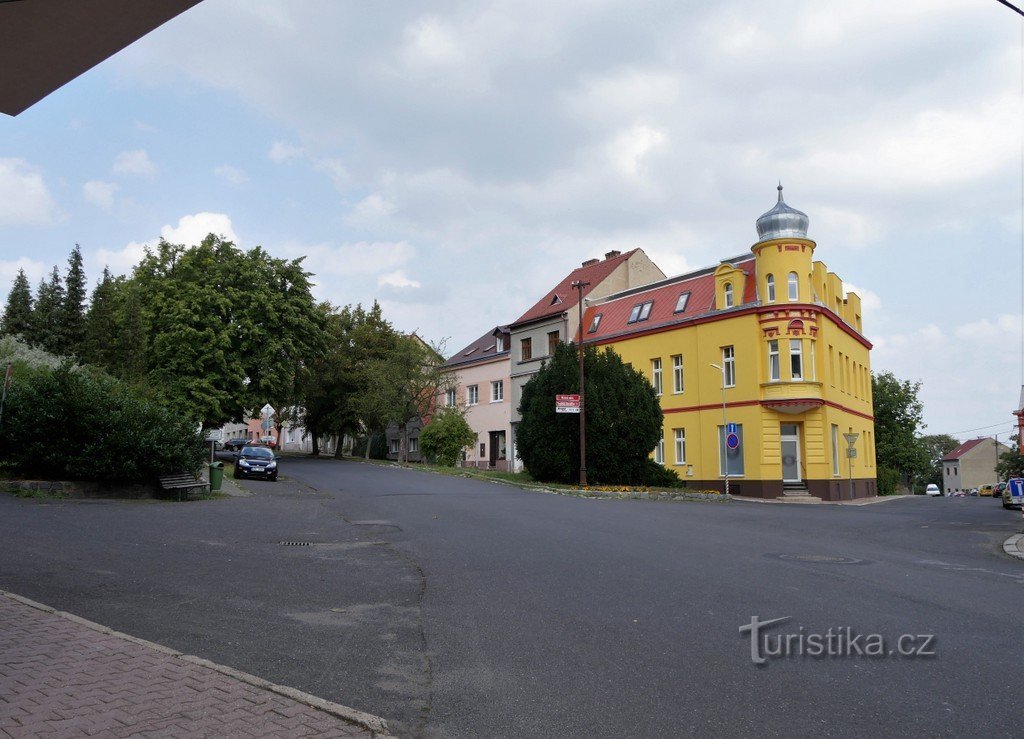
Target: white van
(932, 489)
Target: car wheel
(273, 477)
(236, 475)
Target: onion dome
(782, 222)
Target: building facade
(761, 366)
(483, 392)
(972, 464)
(555, 317)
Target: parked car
(986, 490)
(998, 492)
(256, 461)
(234, 445)
(932, 489)
(973, 492)
(1008, 501)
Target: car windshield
(256, 452)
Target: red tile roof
(665, 294)
(563, 296)
(961, 450)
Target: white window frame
(499, 343)
(656, 376)
(681, 302)
(645, 310)
(414, 444)
(634, 314)
(472, 394)
(396, 446)
(729, 365)
(835, 450)
(727, 295)
(769, 283)
(793, 285)
(449, 398)
(774, 365)
(814, 366)
(677, 373)
(497, 391)
(796, 360)
(680, 442)
(659, 451)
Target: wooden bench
(183, 483)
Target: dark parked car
(234, 445)
(256, 461)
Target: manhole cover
(827, 559)
(296, 543)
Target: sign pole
(579, 285)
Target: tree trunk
(369, 440)
(316, 443)
(403, 456)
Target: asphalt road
(453, 607)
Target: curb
(1014, 546)
(374, 724)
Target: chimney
(612, 253)
(590, 262)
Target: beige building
(972, 464)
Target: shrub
(887, 480)
(68, 423)
(623, 418)
(444, 438)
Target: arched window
(727, 290)
(794, 287)
(770, 285)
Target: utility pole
(579, 285)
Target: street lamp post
(851, 452)
(579, 285)
(725, 427)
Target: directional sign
(567, 404)
(731, 428)
(214, 435)
(267, 425)
(1016, 485)
(267, 410)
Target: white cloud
(629, 149)
(120, 261)
(870, 302)
(352, 259)
(397, 279)
(281, 152)
(34, 271)
(234, 175)
(99, 193)
(25, 199)
(192, 229)
(134, 162)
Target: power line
(981, 428)
(1012, 7)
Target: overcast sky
(454, 160)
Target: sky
(455, 160)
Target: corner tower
(784, 256)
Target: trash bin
(216, 475)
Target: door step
(796, 492)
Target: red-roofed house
(972, 464)
(554, 318)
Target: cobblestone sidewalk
(64, 676)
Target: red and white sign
(567, 404)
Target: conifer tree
(47, 317)
(17, 318)
(73, 309)
(101, 325)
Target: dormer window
(499, 344)
(555, 300)
(684, 298)
(727, 293)
(640, 312)
(595, 323)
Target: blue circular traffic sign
(732, 441)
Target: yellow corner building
(761, 365)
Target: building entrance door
(497, 448)
(790, 452)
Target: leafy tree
(937, 446)
(73, 308)
(623, 421)
(17, 318)
(898, 413)
(402, 385)
(1011, 463)
(444, 438)
(226, 331)
(48, 316)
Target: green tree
(445, 437)
(101, 324)
(898, 413)
(73, 307)
(17, 318)
(1011, 463)
(623, 422)
(937, 446)
(48, 316)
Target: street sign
(267, 424)
(214, 435)
(731, 428)
(1016, 485)
(567, 404)
(851, 452)
(732, 440)
(267, 410)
